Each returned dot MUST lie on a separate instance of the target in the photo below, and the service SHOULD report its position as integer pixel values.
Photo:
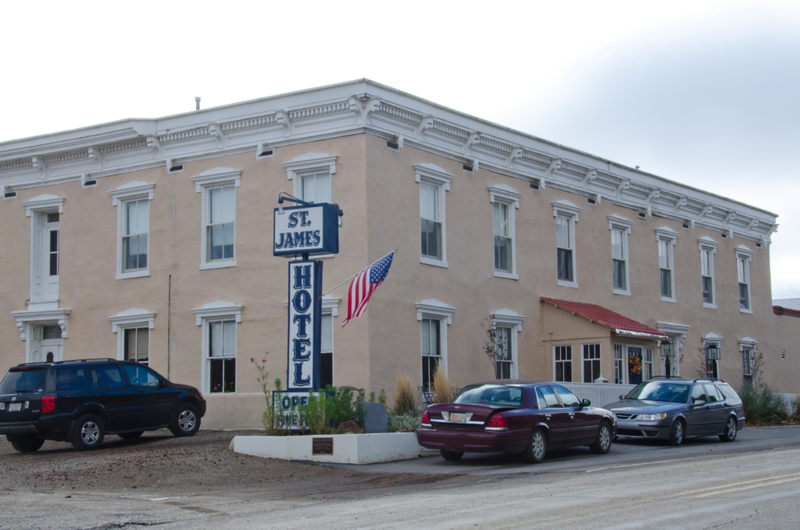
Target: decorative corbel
(39, 163)
(399, 140)
(475, 165)
(623, 185)
(654, 194)
(215, 130)
(424, 124)
(282, 118)
(153, 143)
(728, 218)
(373, 105)
(64, 328)
(772, 230)
(707, 209)
(473, 138)
(94, 154)
(21, 328)
(683, 201)
(516, 152)
(598, 197)
(752, 224)
(554, 164)
(590, 175)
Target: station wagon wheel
(89, 433)
(452, 456)
(186, 420)
(730, 430)
(537, 447)
(602, 444)
(676, 434)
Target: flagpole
(356, 274)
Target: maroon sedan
(513, 416)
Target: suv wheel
(186, 421)
(730, 430)
(676, 434)
(26, 444)
(89, 433)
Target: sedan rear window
(499, 395)
(18, 382)
(655, 391)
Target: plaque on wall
(322, 446)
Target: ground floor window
(591, 362)
(563, 363)
(431, 349)
(619, 364)
(504, 360)
(137, 345)
(649, 371)
(326, 360)
(222, 356)
(747, 366)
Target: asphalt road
(751, 483)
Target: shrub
(443, 392)
(403, 423)
(325, 412)
(405, 400)
(761, 405)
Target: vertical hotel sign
(311, 229)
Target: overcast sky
(706, 93)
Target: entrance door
(635, 367)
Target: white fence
(599, 394)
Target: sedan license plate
(458, 416)
(14, 407)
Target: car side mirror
(699, 402)
(621, 397)
(586, 403)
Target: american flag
(363, 285)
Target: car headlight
(651, 417)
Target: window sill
(709, 306)
(562, 283)
(136, 274)
(670, 300)
(622, 293)
(434, 262)
(748, 311)
(217, 265)
(507, 275)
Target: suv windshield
(20, 381)
(507, 396)
(658, 391)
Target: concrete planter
(346, 448)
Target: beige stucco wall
(376, 188)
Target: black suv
(81, 401)
(674, 409)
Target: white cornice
(132, 316)
(217, 175)
(435, 309)
(358, 107)
(42, 203)
(217, 309)
(132, 190)
(506, 194)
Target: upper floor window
(666, 241)
(133, 228)
(311, 174)
(620, 230)
(743, 258)
(434, 183)
(708, 247)
(315, 187)
(566, 215)
(218, 234)
(45, 266)
(505, 200)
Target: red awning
(620, 324)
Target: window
(218, 235)
(748, 348)
(107, 377)
(507, 325)
(311, 174)
(591, 362)
(712, 346)
(666, 240)
(567, 398)
(504, 361)
(619, 364)
(326, 366)
(566, 215)
(141, 376)
(218, 321)
(133, 334)
(434, 183)
(434, 317)
(563, 363)
(648, 367)
(133, 228)
(743, 257)
(546, 397)
(505, 202)
(44, 212)
(620, 230)
(708, 247)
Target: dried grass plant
(443, 391)
(405, 400)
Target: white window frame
(436, 310)
(215, 178)
(37, 209)
(744, 257)
(571, 212)
(648, 363)
(713, 338)
(508, 196)
(132, 191)
(677, 334)
(669, 237)
(620, 364)
(506, 318)
(308, 164)
(584, 350)
(623, 225)
(708, 245)
(330, 308)
(216, 312)
(751, 345)
(571, 362)
(132, 319)
(435, 176)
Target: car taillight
(425, 421)
(48, 404)
(497, 423)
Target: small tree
(494, 348)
